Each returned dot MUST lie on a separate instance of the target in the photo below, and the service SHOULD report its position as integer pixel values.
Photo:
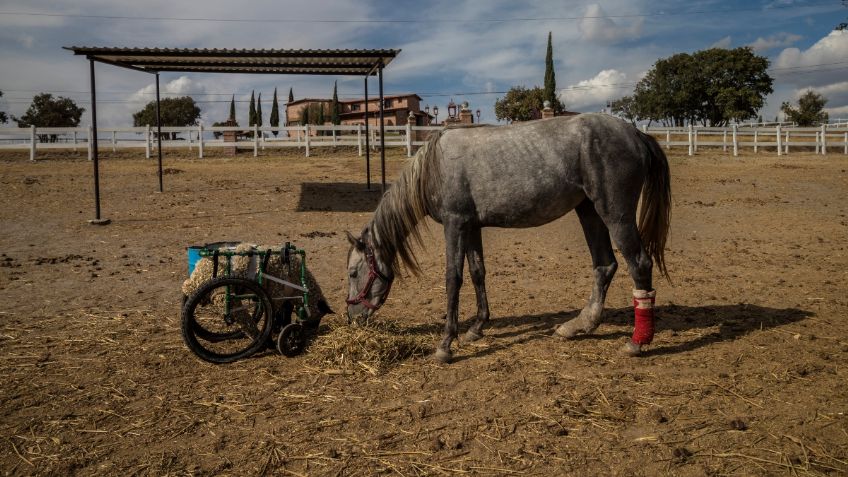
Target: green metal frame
(263, 254)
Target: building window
(388, 103)
(354, 107)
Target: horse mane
(394, 227)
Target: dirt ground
(746, 375)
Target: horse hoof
(470, 336)
(632, 349)
(565, 331)
(443, 356)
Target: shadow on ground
(338, 197)
(732, 322)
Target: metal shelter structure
(246, 61)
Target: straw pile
(374, 347)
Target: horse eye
(352, 274)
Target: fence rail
(781, 139)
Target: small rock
(681, 454)
(738, 425)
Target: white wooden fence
(821, 140)
(781, 139)
(195, 137)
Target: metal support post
(92, 140)
(159, 133)
(382, 131)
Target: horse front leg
(604, 266)
(477, 269)
(456, 242)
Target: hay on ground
(375, 347)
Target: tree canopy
(810, 111)
(523, 104)
(710, 87)
(180, 111)
(45, 111)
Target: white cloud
(821, 64)
(778, 40)
(595, 26)
(593, 93)
(179, 86)
(820, 68)
(723, 43)
(26, 41)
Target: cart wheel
(291, 340)
(226, 319)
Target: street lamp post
(478, 116)
(436, 114)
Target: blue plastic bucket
(193, 252)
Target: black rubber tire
(291, 340)
(194, 333)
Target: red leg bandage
(643, 307)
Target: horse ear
(359, 244)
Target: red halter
(373, 274)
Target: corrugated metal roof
(270, 61)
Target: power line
(408, 20)
(789, 70)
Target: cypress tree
(335, 119)
(232, 117)
(550, 77)
(291, 96)
(304, 116)
(259, 110)
(320, 120)
(251, 115)
(274, 120)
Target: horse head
(370, 277)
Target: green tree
(625, 108)
(711, 87)
(521, 104)
(3, 118)
(550, 79)
(810, 111)
(291, 96)
(232, 109)
(173, 111)
(251, 115)
(336, 112)
(44, 111)
(259, 110)
(320, 116)
(274, 120)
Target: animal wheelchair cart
(231, 317)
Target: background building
(397, 109)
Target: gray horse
(523, 175)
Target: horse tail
(655, 210)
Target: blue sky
(451, 49)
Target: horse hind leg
(604, 267)
(477, 270)
(640, 265)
